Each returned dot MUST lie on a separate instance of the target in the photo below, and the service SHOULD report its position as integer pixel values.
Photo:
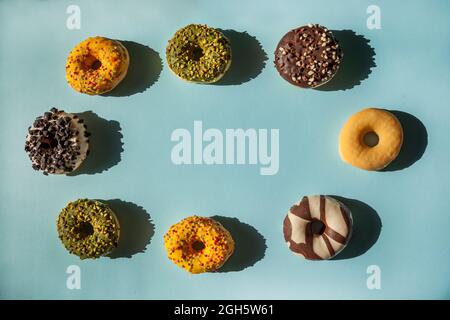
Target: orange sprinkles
(198, 244)
(97, 65)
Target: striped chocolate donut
(318, 227)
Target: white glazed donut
(57, 142)
(318, 227)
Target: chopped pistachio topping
(198, 53)
(88, 228)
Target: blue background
(411, 74)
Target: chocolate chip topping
(308, 56)
(52, 142)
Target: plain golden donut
(371, 139)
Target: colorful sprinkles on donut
(198, 244)
(97, 65)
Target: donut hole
(198, 245)
(96, 65)
(317, 227)
(92, 63)
(195, 52)
(84, 229)
(371, 139)
(48, 143)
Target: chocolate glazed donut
(318, 227)
(308, 56)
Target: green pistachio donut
(197, 53)
(88, 228)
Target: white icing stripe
(336, 245)
(334, 217)
(320, 247)
(314, 206)
(298, 228)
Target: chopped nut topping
(198, 53)
(311, 52)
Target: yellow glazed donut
(198, 244)
(371, 139)
(97, 65)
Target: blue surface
(411, 75)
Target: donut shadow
(105, 144)
(415, 141)
(366, 228)
(250, 245)
(143, 72)
(248, 58)
(136, 228)
(357, 64)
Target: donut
(198, 244)
(318, 227)
(88, 228)
(198, 53)
(371, 139)
(57, 142)
(308, 56)
(97, 65)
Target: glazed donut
(97, 65)
(371, 139)
(88, 228)
(198, 244)
(317, 227)
(57, 142)
(308, 56)
(197, 53)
